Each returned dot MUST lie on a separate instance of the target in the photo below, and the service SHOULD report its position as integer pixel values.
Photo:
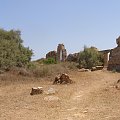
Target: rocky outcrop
(114, 60)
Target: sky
(75, 23)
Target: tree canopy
(12, 51)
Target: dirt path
(91, 97)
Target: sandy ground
(92, 97)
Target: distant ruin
(111, 56)
(114, 58)
(52, 54)
(59, 55)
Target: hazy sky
(46, 23)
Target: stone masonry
(114, 61)
(60, 55)
(52, 54)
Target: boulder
(36, 90)
(50, 91)
(62, 79)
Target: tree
(90, 57)
(12, 51)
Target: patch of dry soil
(92, 97)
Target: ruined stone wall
(52, 54)
(114, 62)
(73, 57)
(61, 53)
(106, 55)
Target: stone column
(61, 53)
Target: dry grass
(91, 97)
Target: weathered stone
(52, 54)
(61, 53)
(73, 57)
(50, 91)
(36, 90)
(99, 67)
(62, 79)
(83, 70)
(93, 69)
(118, 41)
(114, 62)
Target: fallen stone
(62, 79)
(99, 67)
(93, 69)
(36, 90)
(50, 91)
(83, 70)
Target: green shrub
(90, 57)
(49, 61)
(12, 51)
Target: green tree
(12, 51)
(90, 57)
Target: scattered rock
(51, 98)
(117, 86)
(97, 68)
(36, 90)
(93, 69)
(62, 79)
(50, 91)
(83, 70)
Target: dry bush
(53, 69)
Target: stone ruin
(62, 79)
(114, 59)
(106, 56)
(73, 57)
(52, 54)
(59, 55)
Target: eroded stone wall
(52, 54)
(61, 53)
(114, 61)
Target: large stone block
(62, 79)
